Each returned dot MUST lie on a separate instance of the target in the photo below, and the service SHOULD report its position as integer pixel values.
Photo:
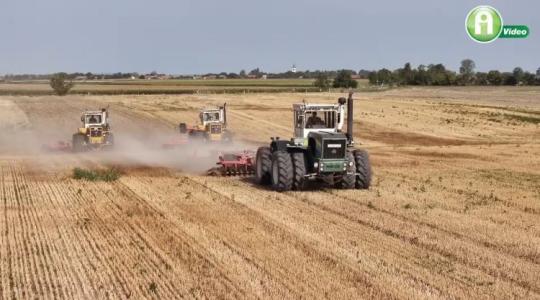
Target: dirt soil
(453, 212)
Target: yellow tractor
(211, 129)
(95, 133)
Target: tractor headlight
(316, 165)
(350, 164)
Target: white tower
(293, 69)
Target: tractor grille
(215, 129)
(334, 149)
(96, 132)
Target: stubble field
(453, 211)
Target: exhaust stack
(225, 114)
(350, 119)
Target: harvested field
(453, 211)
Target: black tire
(299, 171)
(198, 136)
(78, 142)
(263, 162)
(282, 171)
(363, 169)
(182, 127)
(348, 181)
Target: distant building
(293, 69)
(264, 76)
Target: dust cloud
(131, 150)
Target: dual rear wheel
(285, 171)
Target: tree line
(437, 74)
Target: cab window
(93, 119)
(320, 119)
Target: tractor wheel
(198, 136)
(78, 142)
(348, 181)
(282, 171)
(299, 166)
(363, 169)
(182, 127)
(263, 168)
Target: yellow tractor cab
(95, 132)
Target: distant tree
(509, 78)
(518, 75)
(322, 82)
(529, 78)
(466, 71)
(61, 84)
(344, 80)
(373, 78)
(494, 77)
(467, 67)
(407, 74)
(481, 78)
(242, 73)
(384, 76)
(255, 72)
(141, 76)
(438, 75)
(420, 76)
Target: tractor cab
(94, 119)
(316, 118)
(213, 122)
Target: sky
(192, 37)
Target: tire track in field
(247, 270)
(487, 236)
(316, 244)
(123, 204)
(313, 239)
(26, 265)
(214, 210)
(507, 204)
(79, 239)
(46, 278)
(108, 240)
(78, 280)
(140, 234)
(191, 254)
(101, 213)
(325, 213)
(9, 283)
(513, 264)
